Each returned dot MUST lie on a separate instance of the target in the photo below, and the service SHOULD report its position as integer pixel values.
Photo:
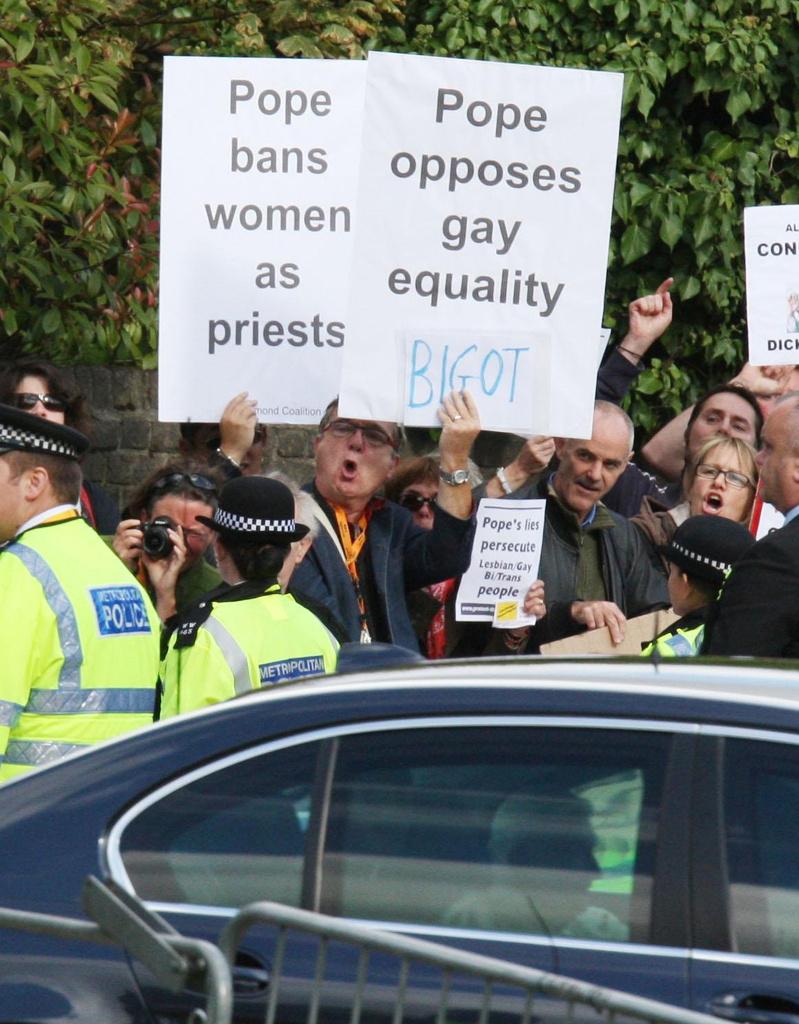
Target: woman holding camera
(161, 540)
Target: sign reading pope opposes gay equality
(484, 204)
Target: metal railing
(374, 976)
(496, 986)
(121, 920)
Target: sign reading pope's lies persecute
(484, 204)
(259, 170)
(772, 284)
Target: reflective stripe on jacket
(244, 645)
(80, 646)
(680, 643)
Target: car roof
(746, 680)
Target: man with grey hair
(757, 612)
(595, 570)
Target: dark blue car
(633, 825)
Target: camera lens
(155, 540)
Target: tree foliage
(710, 124)
(80, 96)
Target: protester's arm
(460, 426)
(127, 543)
(665, 450)
(533, 458)
(163, 574)
(644, 583)
(237, 427)
(649, 318)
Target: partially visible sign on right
(771, 242)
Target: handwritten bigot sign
(484, 205)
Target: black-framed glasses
(196, 480)
(732, 476)
(373, 437)
(27, 400)
(415, 502)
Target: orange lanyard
(352, 548)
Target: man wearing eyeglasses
(369, 553)
(79, 636)
(757, 611)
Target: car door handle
(756, 1007)
(249, 981)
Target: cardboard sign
(505, 556)
(639, 631)
(771, 243)
(484, 207)
(259, 172)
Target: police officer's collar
(245, 590)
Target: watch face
(460, 476)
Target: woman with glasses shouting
(721, 480)
(162, 541)
(37, 387)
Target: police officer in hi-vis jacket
(79, 636)
(247, 633)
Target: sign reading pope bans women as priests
(484, 203)
(260, 158)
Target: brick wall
(128, 441)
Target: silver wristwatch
(460, 476)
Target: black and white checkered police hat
(707, 546)
(24, 432)
(256, 510)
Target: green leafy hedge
(709, 126)
(80, 96)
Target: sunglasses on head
(28, 400)
(415, 502)
(196, 480)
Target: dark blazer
(403, 556)
(757, 612)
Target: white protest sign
(484, 206)
(505, 557)
(257, 213)
(771, 243)
(765, 519)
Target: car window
(536, 830)
(762, 840)
(229, 837)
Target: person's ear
(301, 548)
(35, 482)
(560, 446)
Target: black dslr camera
(155, 540)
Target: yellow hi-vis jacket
(242, 638)
(80, 643)
(682, 639)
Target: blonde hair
(734, 445)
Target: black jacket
(757, 612)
